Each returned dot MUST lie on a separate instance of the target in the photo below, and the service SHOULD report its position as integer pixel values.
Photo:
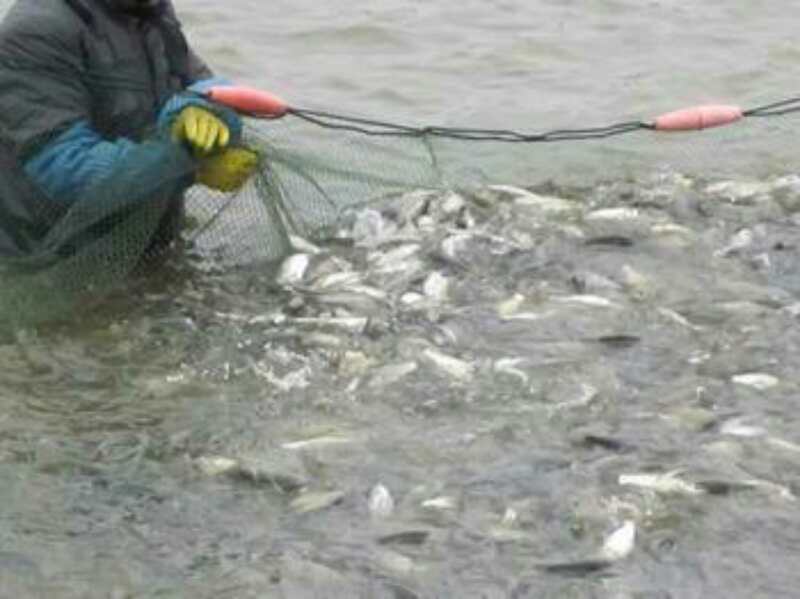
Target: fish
(354, 363)
(408, 537)
(380, 502)
(664, 484)
(510, 517)
(252, 471)
(443, 503)
(637, 284)
(616, 547)
(783, 444)
(341, 279)
(304, 246)
(620, 543)
(385, 376)
(727, 487)
(671, 229)
(618, 341)
(354, 324)
(400, 259)
(577, 568)
(593, 301)
(357, 300)
(741, 241)
(409, 207)
(508, 307)
(587, 396)
(412, 298)
(611, 240)
(436, 286)
(545, 204)
(737, 428)
(451, 204)
(297, 379)
(738, 192)
(613, 214)
(293, 269)
(453, 245)
(604, 442)
(309, 502)
(509, 366)
(394, 562)
(792, 310)
(371, 229)
(677, 318)
(757, 380)
(585, 282)
(317, 443)
(455, 368)
(216, 465)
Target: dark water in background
(104, 419)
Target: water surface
(583, 344)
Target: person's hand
(227, 170)
(201, 129)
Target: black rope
(377, 128)
(776, 108)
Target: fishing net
(316, 171)
(319, 169)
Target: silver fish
(436, 286)
(593, 301)
(391, 373)
(509, 366)
(442, 504)
(316, 443)
(453, 367)
(741, 241)
(665, 484)
(756, 380)
(613, 214)
(316, 501)
(620, 543)
(292, 270)
(380, 502)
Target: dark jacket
(67, 61)
(87, 93)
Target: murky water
(470, 395)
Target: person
(104, 94)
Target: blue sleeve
(202, 87)
(195, 96)
(79, 158)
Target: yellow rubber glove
(201, 129)
(228, 170)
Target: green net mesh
(60, 259)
